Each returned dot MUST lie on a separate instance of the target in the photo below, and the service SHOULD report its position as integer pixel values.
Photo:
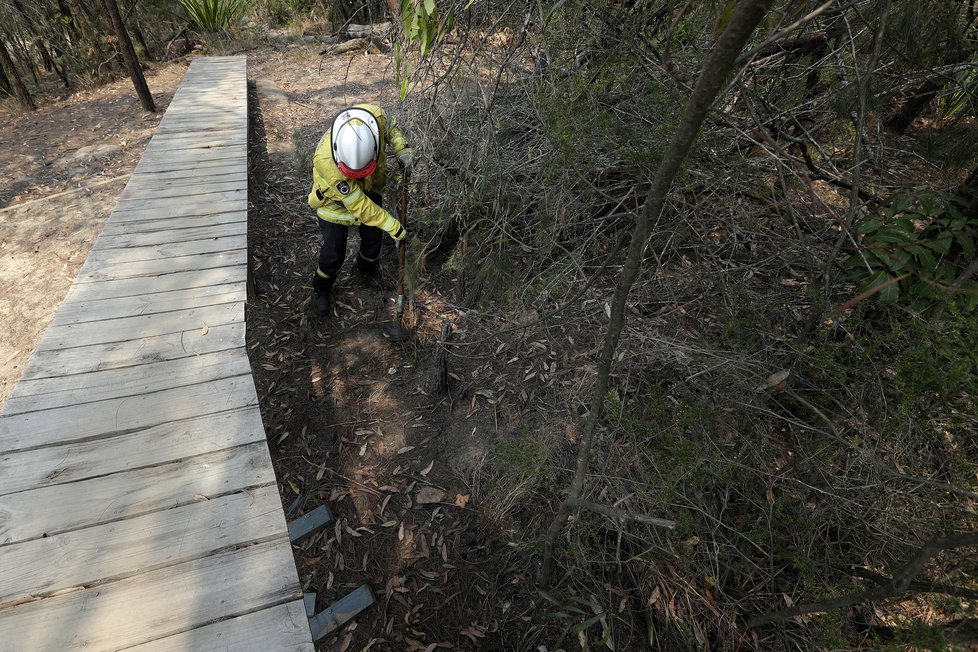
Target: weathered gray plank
(162, 444)
(163, 283)
(136, 269)
(170, 346)
(178, 178)
(146, 225)
(106, 384)
(121, 549)
(180, 188)
(50, 510)
(169, 250)
(277, 628)
(156, 238)
(163, 602)
(342, 611)
(150, 167)
(74, 423)
(140, 326)
(201, 200)
(84, 311)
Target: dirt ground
(62, 168)
(352, 420)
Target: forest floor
(441, 496)
(349, 420)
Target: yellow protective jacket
(344, 201)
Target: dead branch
(620, 516)
(352, 45)
(898, 585)
(438, 384)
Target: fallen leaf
(777, 380)
(429, 495)
(461, 500)
(203, 331)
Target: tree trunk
(14, 80)
(716, 70)
(130, 19)
(901, 119)
(135, 72)
(5, 86)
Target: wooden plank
(167, 223)
(162, 444)
(331, 619)
(202, 198)
(121, 549)
(50, 510)
(106, 384)
(163, 283)
(85, 311)
(135, 328)
(184, 167)
(198, 154)
(153, 259)
(75, 423)
(113, 355)
(156, 238)
(160, 603)
(110, 272)
(182, 188)
(175, 211)
(276, 628)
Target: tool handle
(402, 245)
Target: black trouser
(333, 251)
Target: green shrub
(917, 248)
(213, 16)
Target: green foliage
(914, 250)
(213, 16)
(423, 25)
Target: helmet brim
(350, 173)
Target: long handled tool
(395, 331)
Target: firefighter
(349, 172)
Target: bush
(213, 16)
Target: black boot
(320, 303)
(372, 280)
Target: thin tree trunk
(130, 19)
(129, 54)
(716, 70)
(13, 78)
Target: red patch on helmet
(350, 173)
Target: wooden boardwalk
(138, 505)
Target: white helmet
(356, 142)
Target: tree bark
(129, 55)
(901, 119)
(136, 29)
(716, 70)
(13, 78)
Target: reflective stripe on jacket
(344, 201)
